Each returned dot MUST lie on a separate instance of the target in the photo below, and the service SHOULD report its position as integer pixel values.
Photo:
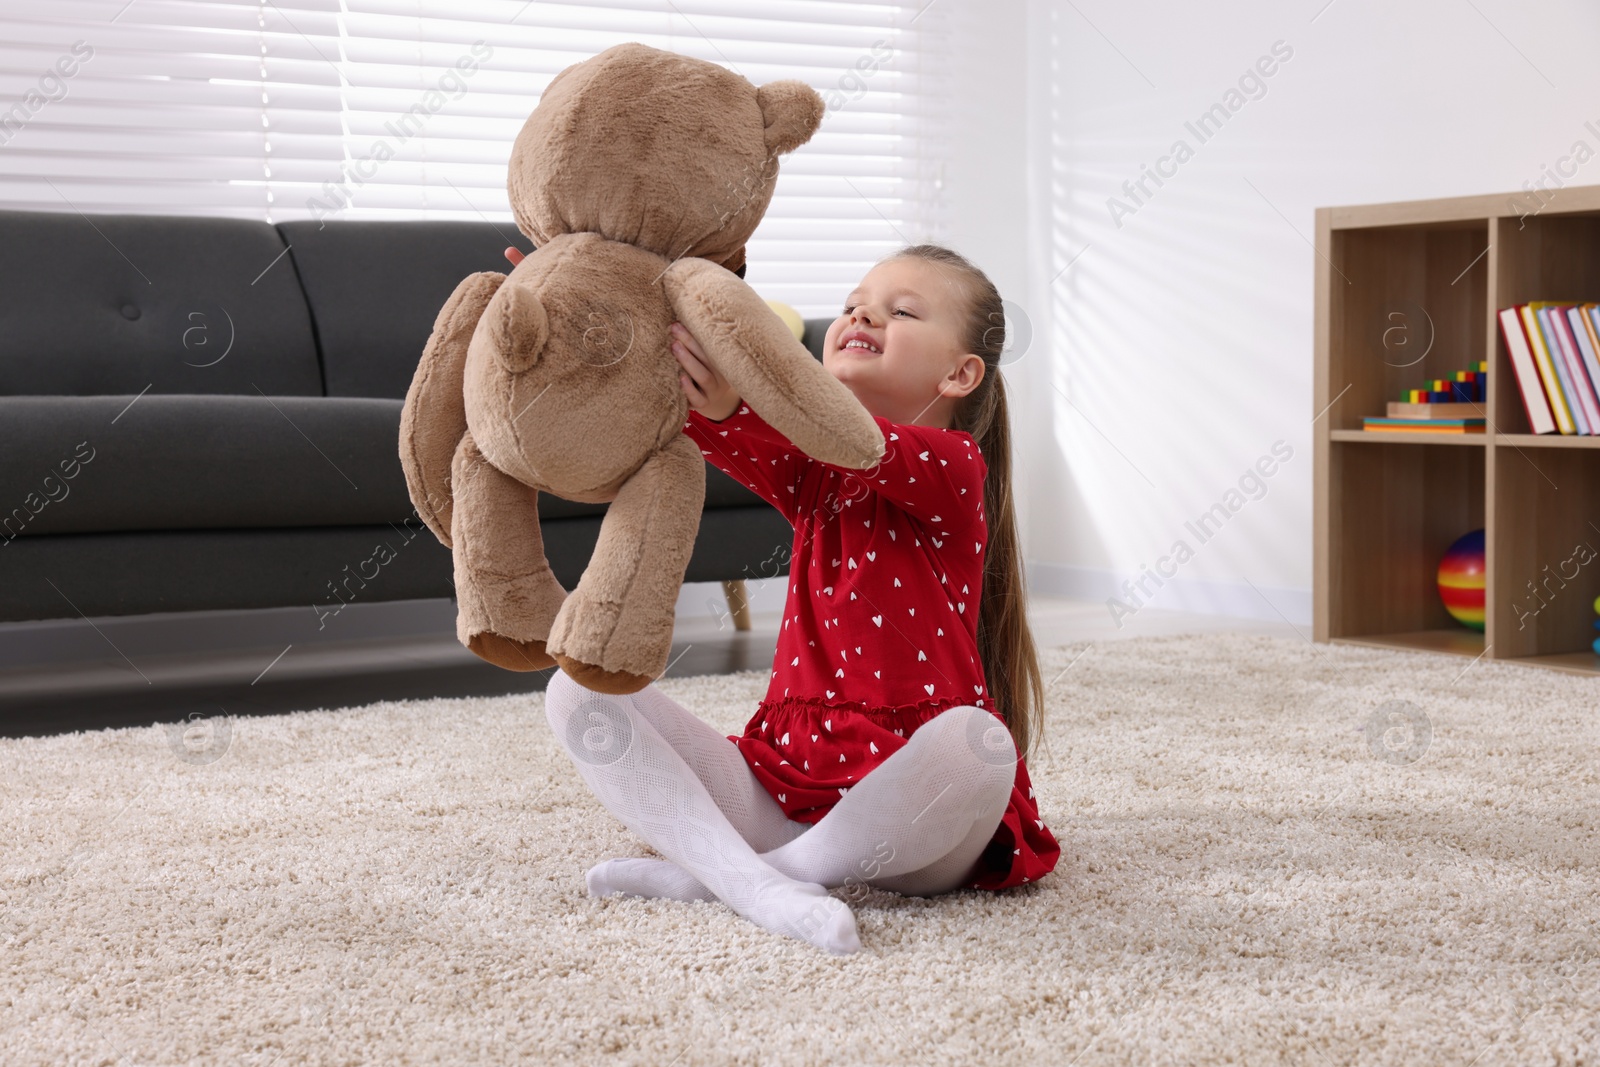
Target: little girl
(905, 691)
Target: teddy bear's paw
(599, 680)
(511, 654)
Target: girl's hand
(709, 393)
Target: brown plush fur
(640, 175)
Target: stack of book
(1443, 405)
(1555, 353)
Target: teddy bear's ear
(791, 111)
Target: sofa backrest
(94, 305)
(816, 334)
(375, 288)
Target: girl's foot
(651, 878)
(799, 909)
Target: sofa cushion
(92, 464)
(116, 304)
(322, 568)
(375, 288)
(106, 463)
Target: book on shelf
(1399, 409)
(1386, 425)
(1526, 370)
(1585, 340)
(1574, 379)
(1548, 377)
(1554, 347)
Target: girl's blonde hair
(1005, 643)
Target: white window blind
(280, 109)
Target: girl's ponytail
(1005, 642)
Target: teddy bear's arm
(745, 341)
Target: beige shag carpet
(1273, 852)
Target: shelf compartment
(1408, 303)
(1544, 550)
(1393, 510)
(1544, 257)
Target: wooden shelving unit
(1406, 292)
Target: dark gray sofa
(203, 413)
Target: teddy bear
(639, 177)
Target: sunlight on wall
(1180, 340)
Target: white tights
(916, 824)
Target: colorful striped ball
(1461, 577)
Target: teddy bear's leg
(434, 415)
(507, 598)
(615, 630)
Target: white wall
(1182, 340)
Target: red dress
(880, 628)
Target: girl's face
(898, 343)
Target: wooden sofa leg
(738, 603)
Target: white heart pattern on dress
(871, 556)
(827, 724)
(929, 688)
(877, 620)
(872, 746)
